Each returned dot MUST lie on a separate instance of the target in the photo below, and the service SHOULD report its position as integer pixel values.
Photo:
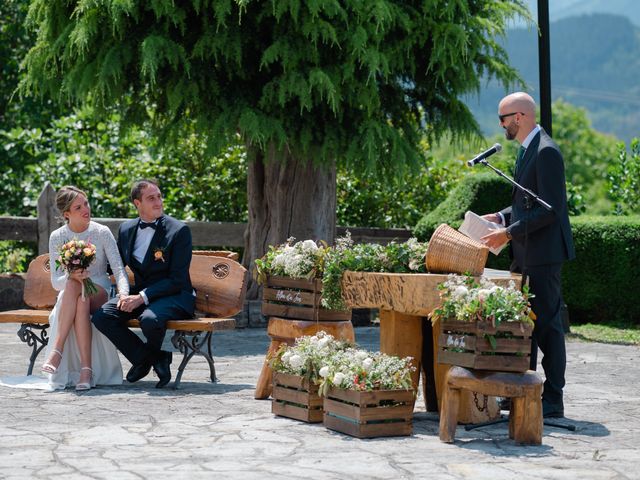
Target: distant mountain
(559, 9)
(595, 64)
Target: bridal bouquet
(78, 255)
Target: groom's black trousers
(112, 322)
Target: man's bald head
(520, 102)
(517, 114)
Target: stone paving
(207, 430)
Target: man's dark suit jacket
(165, 268)
(549, 232)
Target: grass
(616, 333)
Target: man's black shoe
(162, 369)
(137, 372)
(550, 410)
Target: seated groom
(157, 248)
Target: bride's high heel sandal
(85, 385)
(48, 367)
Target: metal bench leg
(37, 341)
(189, 347)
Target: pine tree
(305, 83)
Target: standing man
(157, 248)
(541, 240)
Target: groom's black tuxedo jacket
(165, 268)
(549, 232)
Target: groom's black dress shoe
(162, 368)
(137, 372)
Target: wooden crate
(465, 344)
(298, 299)
(294, 397)
(381, 413)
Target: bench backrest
(38, 292)
(218, 253)
(220, 283)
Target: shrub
(598, 286)
(624, 179)
(15, 256)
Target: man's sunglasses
(502, 117)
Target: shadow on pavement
(186, 388)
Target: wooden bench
(524, 390)
(220, 284)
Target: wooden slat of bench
(41, 317)
(25, 316)
(197, 324)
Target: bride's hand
(79, 275)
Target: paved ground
(218, 430)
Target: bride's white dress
(105, 361)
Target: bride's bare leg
(66, 316)
(82, 328)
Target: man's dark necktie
(144, 225)
(521, 151)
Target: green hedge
(598, 286)
(482, 193)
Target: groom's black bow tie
(144, 225)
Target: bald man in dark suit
(541, 240)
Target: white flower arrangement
(307, 355)
(292, 259)
(466, 300)
(356, 369)
(329, 362)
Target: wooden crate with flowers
(299, 299)
(295, 376)
(292, 277)
(367, 394)
(484, 326)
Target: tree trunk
(288, 197)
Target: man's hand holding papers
(484, 231)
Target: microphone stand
(529, 199)
(527, 193)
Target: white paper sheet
(476, 227)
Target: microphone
(487, 153)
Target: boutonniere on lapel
(158, 254)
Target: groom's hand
(128, 303)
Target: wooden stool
(283, 330)
(524, 389)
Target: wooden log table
(404, 299)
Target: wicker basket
(450, 251)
